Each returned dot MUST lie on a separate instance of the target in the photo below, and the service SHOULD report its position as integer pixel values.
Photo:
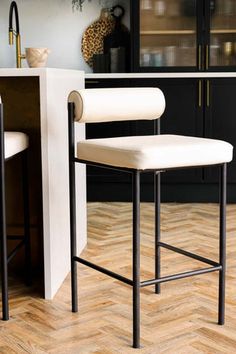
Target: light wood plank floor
(182, 320)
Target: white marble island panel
(54, 87)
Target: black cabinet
(183, 35)
(182, 116)
(195, 107)
(220, 119)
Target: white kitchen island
(54, 87)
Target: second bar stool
(136, 155)
(13, 145)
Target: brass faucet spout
(11, 37)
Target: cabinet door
(166, 34)
(221, 35)
(183, 116)
(220, 119)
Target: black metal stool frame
(136, 283)
(23, 240)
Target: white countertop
(35, 71)
(170, 75)
(162, 75)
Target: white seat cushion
(155, 152)
(15, 142)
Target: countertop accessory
(101, 63)
(36, 57)
(117, 43)
(118, 12)
(15, 33)
(92, 40)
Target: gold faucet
(15, 33)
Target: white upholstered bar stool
(136, 155)
(13, 145)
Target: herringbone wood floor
(182, 320)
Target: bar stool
(13, 145)
(136, 155)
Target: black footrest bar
(180, 276)
(103, 270)
(188, 254)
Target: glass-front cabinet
(184, 35)
(222, 34)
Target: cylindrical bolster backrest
(117, 104)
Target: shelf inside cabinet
(167, 32)
(223, 31)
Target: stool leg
(72, 190)
(3, 233)
(222, 245)
(157, 198)
(74, 285)
(25, 185)
(136, 259)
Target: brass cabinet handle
(94, 82)
(208, 93)
(200, 93)
(207, 57)
(199, 57)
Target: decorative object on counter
(92, 41)
(117, 43)
(101, 63)
(15, 33)
(117, 60)
(37, 57)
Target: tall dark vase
(117, 44)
